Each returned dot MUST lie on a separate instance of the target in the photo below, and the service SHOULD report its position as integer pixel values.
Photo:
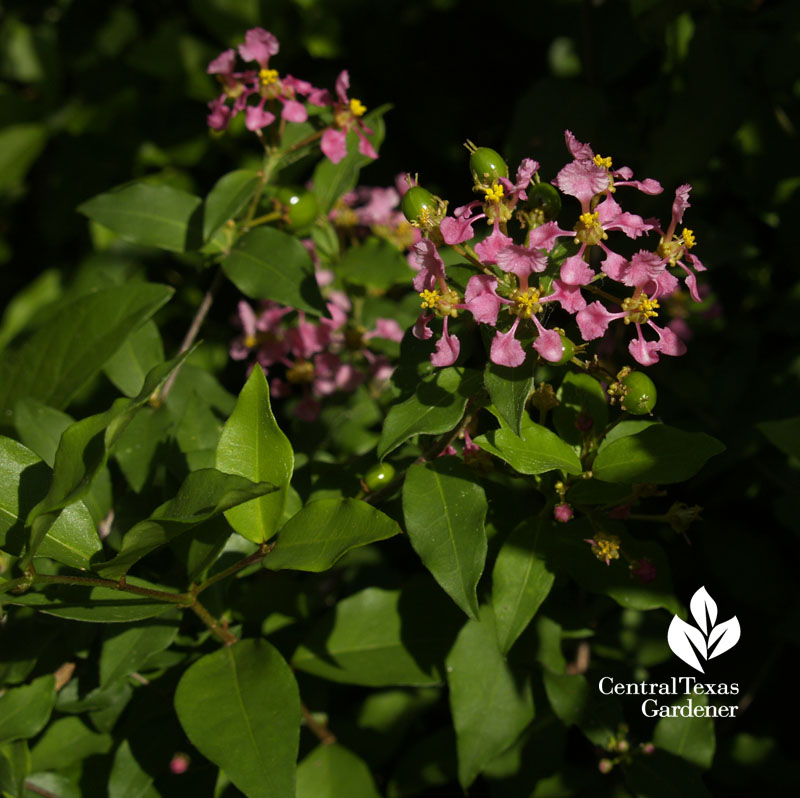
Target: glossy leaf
(323, 531)
(203, 495)
(252, 445)
(269, 264)
(521, 579)
(382, 637)
(444, 511)
(509, 389)
(490, 706)
(141, 352)
(436, 407)
(691, 738)
(128, 778)
(72, 539)
(536, 451)
(94, 604)
(25, 710)
(241, 708)
(581, 397)
(374, 264)
(658, 454)
(229, 196)
(157, 216)
(331, 771)
(126, 649)
(72, 346)
(65, 742)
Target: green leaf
(72, 539)
(18, 759)
(70, 348)
(65, 742)
(691, 738)
(784, 434)
(444, 512)
(229, 195)
(323, 531)
(136, 448)
(374, 264)
(253, 446)
(536, 451)
(26, 304)
(521, 579)
(332, 180)
(663, 775)
(20, 146)
(658, 454)
(24, 711)
(83, 451)
(203, 495)
(153, 215)
(436, 407)
(128, 779)
(576, 702)
(490, 707)
(379, 638)
(141, 352)
(240, 707)
(331, 771)
(94, 604)
(124, 650)
(580, 395)
(269, 264)
(509, 389)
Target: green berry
(487, 165)
(417, 202)
(640, 394)
(300, 206)
(544, 197)
(379, 475)
(568, 350)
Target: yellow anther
(526, 304)
(604, 162)
(494, 193)
(639, 309)
(688, 238)
(589, 220)
(357, 108)
(268, 76)
(430, 299)
(605, 547)
(302, 371)
(250, 341)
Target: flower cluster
(318, 356)
(521, 278)
(286, 95)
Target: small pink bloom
(257, 118)
(680, 204)
(179, 763)
(582, 180)
(220, 114)
(563, 512)
(614, 265)
(432, 269)
(421, 330)
(506, 350)
(521, 261)
(544, 237)
(612, 217)
(644, 352)
(386, 328)
(294, 111)
(447, 348)
(569, 296)
(259, 45)
(364, 145)
(575, 271)
(481, 298)
(488, 248)
(594, 319)
(548, 344)
(668, 341)
(223, 64)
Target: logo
(708, 639)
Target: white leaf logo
(709, 641)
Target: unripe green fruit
(300, 206)
(416, 200)
(568, 351)
(379, 475)
(640, 396)
(545, 198)
(487, 164)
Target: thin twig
(31, 787)
(122, 586)
(227, 637)
(320, 730)
(263, 550)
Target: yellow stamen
(605, 547)
(589, 220)
(302, 371)
(268, 76)
(604, 162)
(525, 304)
(639, 309)
(688, 238)
(430, 299)
(357, 108)
(250, 341)
(494, 193)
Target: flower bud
(486, 165)
(379, 475)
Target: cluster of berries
(522, 277)
(285, 95)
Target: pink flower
(334, 144)
(458, 228)
(521, 262)
(544, 237)
(259, 45)
(548, 344)
(432, 271)
(488, 248)
(575, 271)
(257, 118)
(179, 763)
(594, 319)
(241, 346)
(563, 512)
(346, 114)
(447, 348)
(481, 298)
(582, 180)
(220, 114)
(506, 350)
(385, 328)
